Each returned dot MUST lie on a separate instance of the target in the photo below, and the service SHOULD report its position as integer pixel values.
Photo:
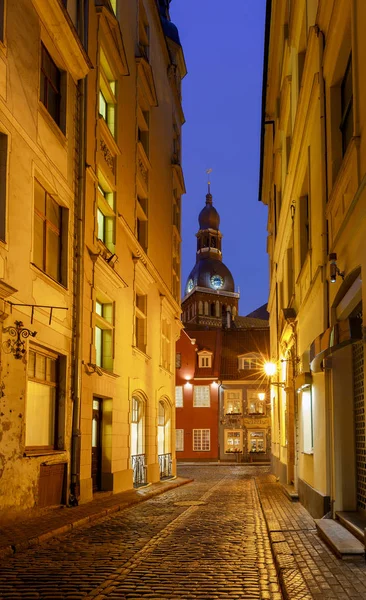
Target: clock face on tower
(217, 282)
(190, 285)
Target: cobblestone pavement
(207, 539)
(307, 567)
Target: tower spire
(208, 196)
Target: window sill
(59, 286)
(168, 371)
(109, 373)
(35, 453)
(141, 353)
(309, 453)
(42, 110)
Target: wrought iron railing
(165, 464)
(139, 469)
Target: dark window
(347, 107)
(178, 360)
(50, 93)
(304, 229)
(3, 163)
(47, 246)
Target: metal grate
(359, 412)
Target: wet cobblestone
(160, 549)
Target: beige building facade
(90, 121)
(312, 179)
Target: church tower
(210, 300)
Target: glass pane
(53, 254)
(161, 439)
(53, 211)
(98, 346)
(99, 308)
(40, 414)
(38, 242)
(96, 404)
(40, 366)
(161, 419)
(53, 104)
(51, 370)
(102, 106)
(95, 433)
(39, 198)
(31, 363)
(101, 225)
(134, 439)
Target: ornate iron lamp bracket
(17, 345)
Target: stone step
(290, 492)
(354, 522)
(342, 542)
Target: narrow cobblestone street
(206, 540)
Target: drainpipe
(79, 220)
(329, 424)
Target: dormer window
(249, 362)
(205, 359)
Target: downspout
(79, 220)
(329, 422)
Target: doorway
(97, 444)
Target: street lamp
(270, 369)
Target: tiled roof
(238, 342)
(249, 322)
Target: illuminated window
(201, 440)
(137, 427)
(140, 321)
(179, 440)
(142, 222)
(42, 400)
(250, 361)
(201, 396)
(106, 218)
(307, 420)
(233, 402)
(103, 336)
(179, 396)
(107, 93)
(166, 345)
(178, 360)
(233, 441)
(256, 403)
(257, 441)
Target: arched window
(164, 439)
(137, 444)
(137, 426)
(213, 309)
(200, 307)
(206, 308)
(217, 308)
(223, 310)
(213, 242)
(234, 311)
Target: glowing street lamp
(270, 369)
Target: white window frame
(179, 440)
(233, 396)
(247, 362)
(201, 440)
(204, 360)
(205, 400)
(236, 448)
(106, 231)
(179, 396)
(107, 88)
(253, 398)
(262, 432)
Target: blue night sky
(223, 47)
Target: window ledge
(109, 373)
(35, 453)
(168, 371)
(136, 350)
(309, 453)
(62, 138)
(56, 284)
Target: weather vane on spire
(208, 171)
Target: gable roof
(238, 342)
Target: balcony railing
(139, 469)
(165, 464)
